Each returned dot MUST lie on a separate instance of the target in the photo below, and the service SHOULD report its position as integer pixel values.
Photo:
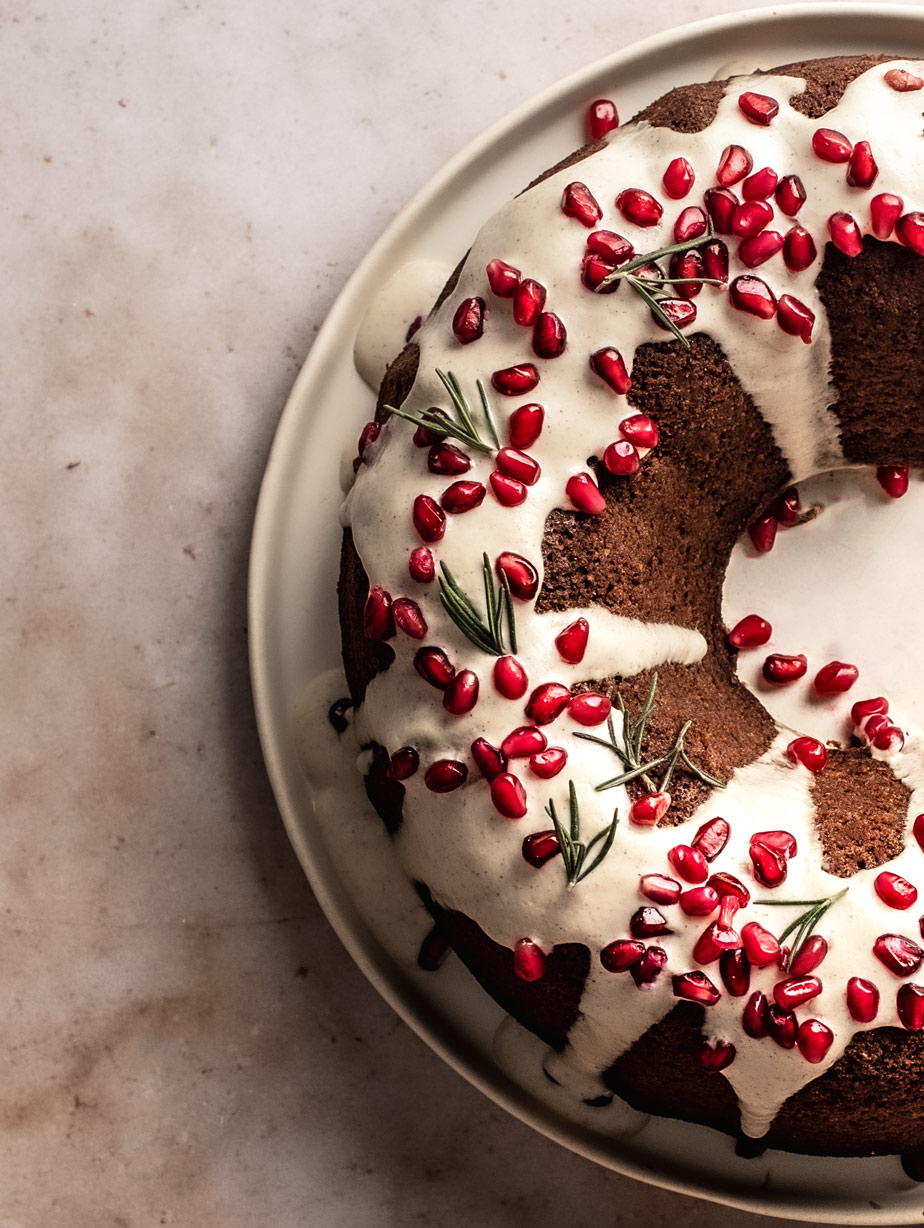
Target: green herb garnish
(574, 852)
(463, 427)
(487, 632)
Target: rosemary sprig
(487, 632)
(464, 428)
(804, 924)
(574, 852)
(630, 752)
(650, 288)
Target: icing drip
(469, 856)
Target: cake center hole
(846, 585)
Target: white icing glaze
(468, 855)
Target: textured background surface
(186, 188)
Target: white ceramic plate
(293, 617)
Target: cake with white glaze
(640, 358)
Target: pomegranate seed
(523, 742)
(909, 230)
(754, 296)
(549, 336)
(714, 1055)
(507, 491)
(759, 249)
(735, 969)
(584, 494)
(799, 250)
(589, 708)
(445, 775)
(649, 809)
(620, 955)
(548, 763)
(761, 946)
(648, 922)
(514, 381)
(678, 178)
(660, 888)
(463, 496)
(424, 437)
(528, 960)
(790, 194)
(781, 1026)
(578, 201)
(547, 702)
(468, 322)
(902, 80)
(793, 992)
(831, 146)
(787, 507)
(782, 841)
(508, 796)
(612, 246)
(845, 233)
(461, 693)
(510, 678)
(689, 863)
(429, 519)
(621, 458)
(445, 459)
(754, 1016)
(520, 574)
(769, 865)
(572, 642)
(835, 678)
(608, 364)
(715, 260)
(750, 218)
(433, 950)
(862, 168)
(729, 887)
(378, 615)
(594, 272)
(640, 430)
(503, 278)
(893, 479)
(760, 185)
(809, 956)
(541, 847)
(712, 838)
(408, 618)
(403, 764)
(639, 207)
(602, 117)
(721, 205)
(715, 939)
(918, 830)
(885, 736)
(681, 313)
(909, 1002)
(899, 954)
(796, 319)
(814, 1039)
(752, 631)
(689, 265)
(758, 108)
(516, 464)
(649, 967)
(864, 708)
(809, 752)
(525, 425)
(780, 668)
(884, 211)
(433, 666)
(695, 987)
(528, 301)
(489, 760)
(367, 438)
(734, 164)
(862, 999)
(691, 223)
(700, 901)
(894, 890)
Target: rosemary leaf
(608, 835)
(631, 774)
(488, 416)
(657, 310)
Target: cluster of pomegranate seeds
(602, 117)
(528, 960)
(893, 479)
(871, 722)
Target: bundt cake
(637, 362)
